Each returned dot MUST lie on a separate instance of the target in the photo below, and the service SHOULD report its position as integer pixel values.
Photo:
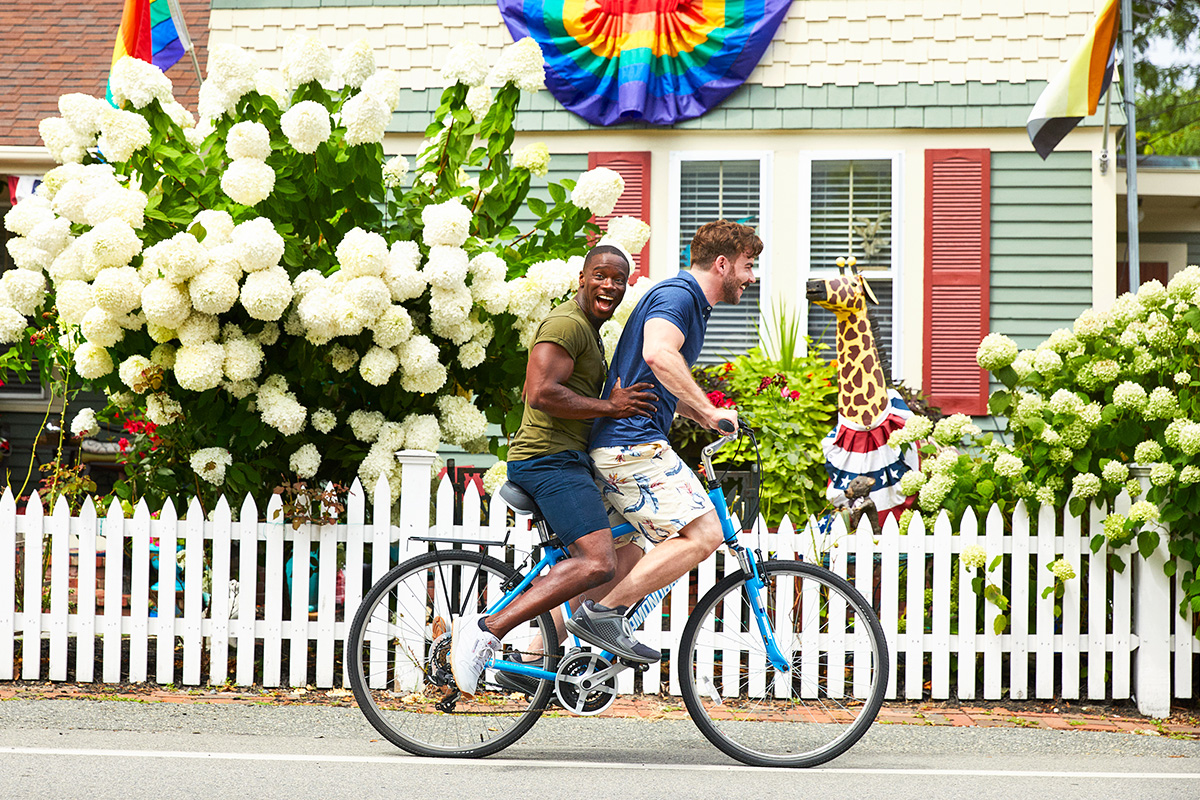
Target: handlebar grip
(725, 426)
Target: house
(891, 130)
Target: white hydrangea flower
(198, 328)
(394, 170)
(200, 367)
(401, 274)
(112, 243)
(134, 372)
(479, 102)
(318, 315)
(447, 267)
(258, 244)
(306, 461)
(210, 463)
(466, 63)
(279, 408)
(521, 63)
(342, 358)
(163, 355)
(269, 83)
(393, 327)
(243, 359)
(495, 477)
(231, 70)
(213, 291)
(22, 218)
(92, 361)
(74, 299)
(378, 366)
(630, 232)
(418, 354)
(53, 236)
(306, 125)
(248, 139)
(384, 86)
(365, 425)
(119, 202)
(85, 423)
(598, 190)
(460, 420)
(421, 432)
(366, 118)
(138, 82)
(996, 351)
(28, 256)
(12, 325)
(165, 304)
(355, 63)
(369, 295)
(323, 420)
(1008, 465)
(122, 133)
(305, 59)
(267, 294)
(425, 381)
(447, 223)
(101, 328)
(66, 145)
(68, 265)
(533, 157)
(362, 253)
(554, 278)
(83, 112)
(162, 409)
(248, 181)
(118, 290)
(1129, 396)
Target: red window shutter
(634, 167)
(957, 259)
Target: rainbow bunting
(148, 32)
(657, 61)
(1076, 90)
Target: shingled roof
(51, 49)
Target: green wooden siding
(1041, 272)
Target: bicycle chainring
(439, 672)
(580, 693)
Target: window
(14, 388)
(849, 206)
(731, 186)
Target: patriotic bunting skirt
(852, 450)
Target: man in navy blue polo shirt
(643, 478)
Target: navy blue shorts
(564, 489)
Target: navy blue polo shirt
(680, 301)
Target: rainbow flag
(148, 32)
(1076, 90)
(613, 61)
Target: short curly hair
(723, 238)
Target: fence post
(1152, 624)
(416, 466)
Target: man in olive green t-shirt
(548, 458)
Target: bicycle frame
(747, 560)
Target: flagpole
(184, 38)
(1131, 195)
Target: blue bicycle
(781, 663)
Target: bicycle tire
(808, 715)
(393, 663)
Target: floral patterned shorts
(651, 487)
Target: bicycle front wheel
(804, 716)
(398, 654)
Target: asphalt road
(127, 750)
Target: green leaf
(1000, 624)
(1147, 542)
(1097, 542)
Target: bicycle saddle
(520, 500)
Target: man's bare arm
(662, 343)
(549, 368)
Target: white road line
(401, 760)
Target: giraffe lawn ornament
(868, 409)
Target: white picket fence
(1119, 635)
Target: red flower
(727, 368)
(795, 395)
(123, 444)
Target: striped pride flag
(147, 32)
(1076, 90)
(612, 61)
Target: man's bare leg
(668, 560)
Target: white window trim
(804, 241)
(766, 190)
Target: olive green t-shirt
(541, 434)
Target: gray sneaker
(608, 628)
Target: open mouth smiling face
(602, 285)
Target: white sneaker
(471, 648)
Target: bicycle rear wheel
(761, 716)
(398, 655)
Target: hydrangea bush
(277, 296)
(1118, 389)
